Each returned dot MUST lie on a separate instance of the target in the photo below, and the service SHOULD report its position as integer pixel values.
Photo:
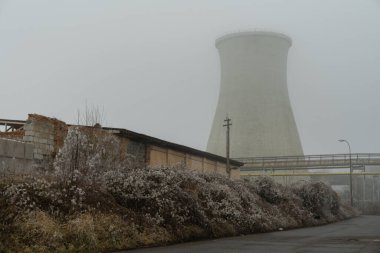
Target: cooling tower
(254, 94)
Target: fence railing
(312, 161)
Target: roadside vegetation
(93, 198)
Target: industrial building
(24, 142)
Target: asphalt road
(361, 234)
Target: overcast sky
(153, 67)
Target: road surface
(360, 234)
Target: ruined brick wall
(46, 134)
(15, 135)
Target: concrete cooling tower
(254, 94)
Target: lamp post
(349, 149)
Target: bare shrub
(91, 116)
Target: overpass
(310, 162)
(9, 125)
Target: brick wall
(42, 136)
(46, 134)
(14, 135)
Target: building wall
(41, 134)
(210, 166)
(135, 149)
(46, 135)
(195, 162)
(176, 158)
(235, 174)
(16, 157)
(14, 135)
(159, 156)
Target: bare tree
(91, 116)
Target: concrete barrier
(16, 157)
(16, 149)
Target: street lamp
(349, 149)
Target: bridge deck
(310, 161)
(11, 125)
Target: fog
(153, 68)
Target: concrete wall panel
(235, 174)
(2, 147)
(29, 151)
(19, 150)
(195, 163)
(158, 157)
(16, 149)
(222, 169)
(11, 166)
(176, 158)
(209, 166)
(9, 148)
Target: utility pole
(228, 124)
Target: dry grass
(40, 232)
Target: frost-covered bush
(177, 197)
(87, 154)
(41, 194)
(270, 191)
(159, 193)
(283, 198)
(320, 199)
(79, 169)
(230, 205)
(96, 199)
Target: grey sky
(153, 67)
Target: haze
(153, 68)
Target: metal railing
(311, 161)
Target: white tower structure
(254, 94)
